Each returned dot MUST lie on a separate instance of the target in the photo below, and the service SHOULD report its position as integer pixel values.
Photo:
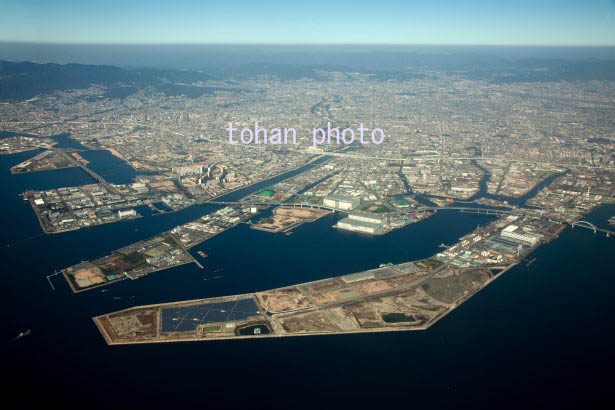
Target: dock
(56, 273)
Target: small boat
(22, 334)
(202, 254)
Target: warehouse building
(512, 232)
(504, 247)
(366, 217)
(358, 226)
(341, 202)
(127, 212)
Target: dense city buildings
(449, 142)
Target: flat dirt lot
(310, 322)
(88, 277)
(284, 219)
(284, 299)
(372, 287)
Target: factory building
(358, 226)
(513, 232)
(528, 238)
(341, 202)
(366, 217)
(504, 247)
(127, 212)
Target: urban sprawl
(537, 155)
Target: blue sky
(511, 22)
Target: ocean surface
(540, 336)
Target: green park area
(266, 192)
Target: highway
(421, 209)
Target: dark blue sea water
(110, 167)
(65, 141)
(539, 336)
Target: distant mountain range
(24, 80)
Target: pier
(55, 273)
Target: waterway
(540, 335)
(519, 201)
(110, 167)
(483, 192)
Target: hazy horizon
(195, 57)
(523, 22)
